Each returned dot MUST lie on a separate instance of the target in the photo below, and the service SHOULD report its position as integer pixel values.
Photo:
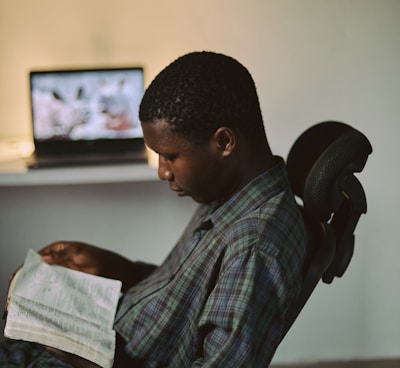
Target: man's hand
(77, 256)
(73, 360)
(91, 259)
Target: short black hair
(202, 91)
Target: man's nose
(164, 172)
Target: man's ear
(225, 140)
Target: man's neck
(245, 171)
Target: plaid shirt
(220, 297)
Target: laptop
(86, 117)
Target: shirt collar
(252, 195)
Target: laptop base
(58, 161)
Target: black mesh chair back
(321, 166)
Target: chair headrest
(320, 161)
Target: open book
(63, 308)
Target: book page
(63, 308)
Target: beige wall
(312, 60)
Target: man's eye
(170, 158)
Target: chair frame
(321, 166)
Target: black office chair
(321, 166)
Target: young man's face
(191, 170)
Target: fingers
(10, 278)
(74, 360)
(74, 255)
(53, 249)
(57, 253)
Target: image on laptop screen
(86, 105)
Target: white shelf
(80, 175)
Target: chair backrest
(321, 166)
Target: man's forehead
(159, 135)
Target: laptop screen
(79, 108)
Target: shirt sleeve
(242, 321)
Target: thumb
(74, 360)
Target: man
(220, 297)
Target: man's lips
(177, 190)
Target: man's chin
(200, 200)
(197, 199)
